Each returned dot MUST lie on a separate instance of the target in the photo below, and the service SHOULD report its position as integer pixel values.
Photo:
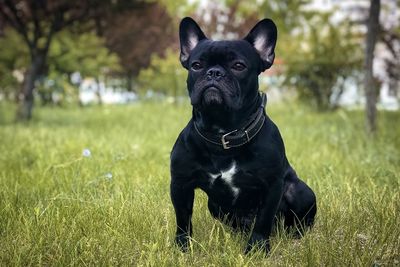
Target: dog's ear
(263, 38)
(190, 35)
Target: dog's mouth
(212, 96)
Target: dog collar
(238, 137)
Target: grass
(113, 208)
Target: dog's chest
(230, 184)
(226, 177)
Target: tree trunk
(98, 92)
(129, 82)
(26, 96)
(371, 88)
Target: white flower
(86, 153)
(108, 175)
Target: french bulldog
(230, 148)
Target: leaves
(320, 58)
(164, 75)
(85, 53)
(134, 35)
(14, 57)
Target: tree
(134, 35)
(164, 75)
(13, 59)
(37, 21)
(234, 18)
(227, 19)
(320, 59)
(85, 53)
(370, 84)
(390, 37)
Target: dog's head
(224, 74)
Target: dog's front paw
(259, 242)
(182, 240)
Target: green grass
(113, 208)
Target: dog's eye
(196, 66)
(238, 66)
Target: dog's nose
(216, 73)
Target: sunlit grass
(59, 207)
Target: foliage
(319, 60)
(38, 21)
(390, 38)
(69, 53)
(57, 89)
(238, 16)
(164, 75)
(13, 57)
(179, 8)
(85, 53)
(131, 29)
(138, 33)
(61, 208)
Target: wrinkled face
(222, 74)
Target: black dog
(230, 148)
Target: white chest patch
(227, 176)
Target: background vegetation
(136, 41)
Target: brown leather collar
(240, 136)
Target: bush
(164, 75)
(322, 58)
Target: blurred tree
(37, 21)
(179, 8)
(13, 59)
(371, 87)
(319, 59)
(390, 37)
(234, 18)
(289, 15)
(136, 34)
(226, 19)
(164, 75)
(85, 53)
(69, 53)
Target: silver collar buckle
(224, 142)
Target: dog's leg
(182, 198)
(298, 204)
(265, 217)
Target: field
(59, 207)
